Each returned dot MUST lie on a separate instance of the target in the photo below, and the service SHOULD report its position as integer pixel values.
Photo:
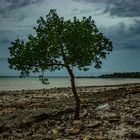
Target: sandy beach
(107, 113)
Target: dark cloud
(136, 28)
(121, 8)
(124, 37)
(7, 5)
(124, 8)
(17, 3)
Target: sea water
(16, 83)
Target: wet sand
(107, 112)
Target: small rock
(19, 135)
(37, 136)
(74, 131)
(93, 124)
(77, 123)
(105, 106)
(60, 128)
(54, 131)
(49, 132)
(84, 113)
(137, 123)
(88, 137)
(113, 120)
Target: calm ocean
(15, 83)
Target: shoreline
(68, 87)
(34, 83)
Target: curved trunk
(77, 100)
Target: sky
(119, 20)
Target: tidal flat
(107, 113)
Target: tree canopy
(58, 44)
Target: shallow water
(16, 83)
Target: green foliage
(58, 44)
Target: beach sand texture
(107, 113)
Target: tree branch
(52, 64)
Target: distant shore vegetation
(122, 75)
(115, 75)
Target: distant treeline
(87, 77)
(122, 75)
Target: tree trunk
(77, 100)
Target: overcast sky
(119, 20)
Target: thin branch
(52, 64)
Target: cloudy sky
(119, 20)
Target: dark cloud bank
(6, 6)
(121, 8)
(122, 36)
(12, 4)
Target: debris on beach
(108, 114)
